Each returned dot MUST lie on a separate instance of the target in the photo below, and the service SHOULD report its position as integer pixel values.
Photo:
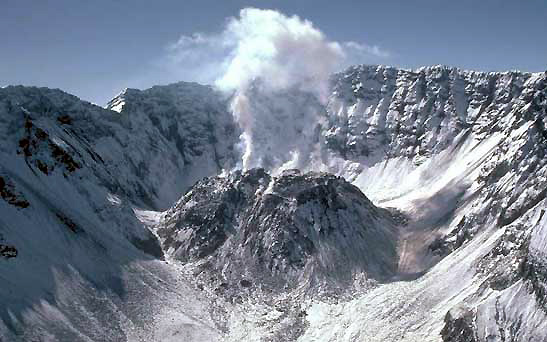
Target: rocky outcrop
(459, 329)
(378, 112)
(7, 251)
(173, 136)
(252, 229)
(10, 195)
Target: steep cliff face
(161, 141)
(71, 174)
(381, 112)
(51, 155)
(173, 136)
(478, 133)
(463, 154)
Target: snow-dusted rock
(173, 136)
(289, 231)
(379, 112)
(71, 173)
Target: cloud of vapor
(278, 69)
(283, 51)
(199, 57)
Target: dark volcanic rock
(311, 227)
(459, 329)
(10, 195)
(8, 251)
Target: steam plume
(277, 67)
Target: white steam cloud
(277, 67)
(283, 51)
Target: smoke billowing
(277, 68)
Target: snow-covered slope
(173, 136)
(451, 245)
(462, 154)
(75, 257)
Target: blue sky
(94, 49)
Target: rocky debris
(71, 225)
(10, 195)
(459, 329)
(535, 272)
(8, 251)
(275, 230)
(503, 265)
(290, 322)
(44, 153)
(440, 247)
(149, 246)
